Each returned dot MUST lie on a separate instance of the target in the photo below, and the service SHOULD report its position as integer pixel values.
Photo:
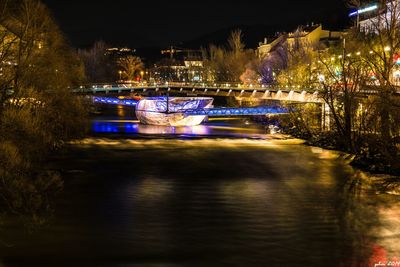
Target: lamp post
(120, 73)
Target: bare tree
(215, 64)
(342, 76)
(227, 65)
(236, 45)
(8, 43)
(299, 61)
(40, 112)
(380, 39)
(98, 66)
(352, 3)
(130, 66)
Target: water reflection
(136, 128)
(373, 221)
(385, 245)
(247, 190)
(189, 130)
(133, 127)
(208, 202)
(149, 190)
(114, 127)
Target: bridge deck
(294, 94)
(241, 111)
(287, 93)
(211, 112)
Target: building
(181, 65)
(312, 36)
(266, 47)
(308, 36)
(119, 52)
(376, 16)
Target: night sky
(150, 23)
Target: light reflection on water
(133, 128)
(137, 128)
(262, 211)
(151, 190)
(281, 203)
(387, 234)
(209, 202)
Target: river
(220, 194)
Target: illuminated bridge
(292, 94)
(239, 91)
(242, 111)
(114, 101)
(211, 112)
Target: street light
(120, 73)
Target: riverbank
(371, 157)
(385, 171)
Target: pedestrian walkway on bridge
(211, 112)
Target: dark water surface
(161, 197)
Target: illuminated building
(309, 36)
(377, 19)
(170, 111)
(118, 52)
(312, 36)
(375, 16)
(266, 47)
(181, 65)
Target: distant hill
(252, 35)
(149, 55)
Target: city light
(363, 10)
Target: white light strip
(364, 10)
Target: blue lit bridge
(211, 112)
(239, 91)
(240, 111)
(114, 101)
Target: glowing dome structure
(170, 111)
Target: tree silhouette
(352, 3)
(130, 66)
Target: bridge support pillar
(326, 118)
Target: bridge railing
(227, 86)
(241, 111)
(114, 101)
